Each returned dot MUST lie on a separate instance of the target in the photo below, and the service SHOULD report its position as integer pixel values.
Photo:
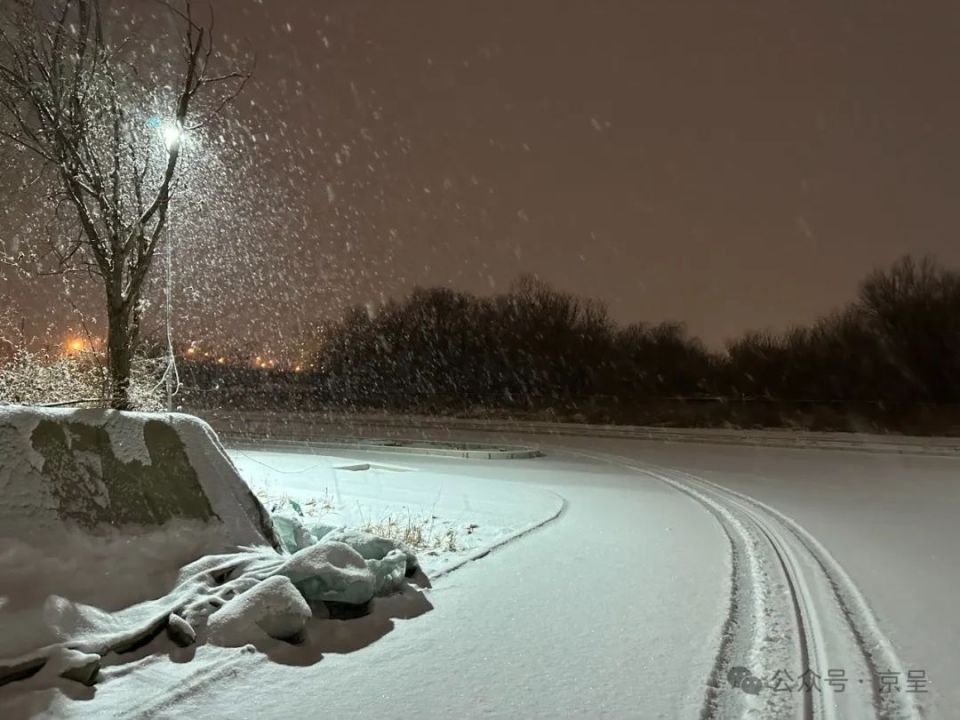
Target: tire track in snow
(844, 598)
(753, 628)
(829, 617)
(163, 703)
(760, 629)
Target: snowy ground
(646, 589)
(451, 518)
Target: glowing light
(172, 135)
(75, 345)
(191, 351)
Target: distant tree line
(534, 346)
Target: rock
(273, 607)
(330, 571)
(85, 672)
(372, 547)
(180, 631)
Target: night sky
(729, 165)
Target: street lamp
(172, 133)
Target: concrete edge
(411, 447)
(479, 553)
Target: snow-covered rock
(180, 631)
(273, 607)
(373, 547)
(100, 470)
(74, 665)
(291, 531)
(330, 571)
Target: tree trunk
(120, 351)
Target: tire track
(820, 615)
(844, 600)
(778, 636)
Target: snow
(619, 604)
(273, 608)
(606, 608)
(456, 521)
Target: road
(671, 567)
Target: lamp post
(172, 134)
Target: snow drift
(120, 528)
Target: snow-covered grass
(29, 377)
(418, 533)
(444, 516)
(423, 533)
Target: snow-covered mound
(97, 471)
(250, 597)
(121, 529)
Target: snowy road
(669, 566)
(791, 606)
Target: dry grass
(307, 508)
(419, 532)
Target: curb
(479, 451)
(479, 553)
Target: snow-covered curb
(477, 451)
(456, 563)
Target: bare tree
(106, 120)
